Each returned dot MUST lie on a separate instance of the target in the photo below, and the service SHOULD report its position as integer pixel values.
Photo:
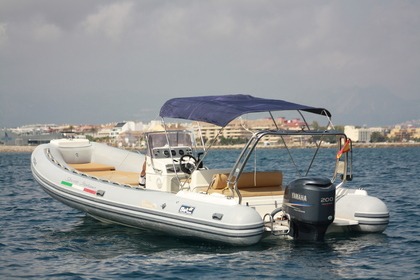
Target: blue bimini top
(221, 110)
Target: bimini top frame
(221, 110)
(343, 165)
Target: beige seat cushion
(122, 177)
(251, 184)
(91, 167)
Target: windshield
(176, 139)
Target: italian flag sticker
(68, 184)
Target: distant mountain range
(373, 109)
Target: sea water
(41, 238)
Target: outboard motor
(310, 203)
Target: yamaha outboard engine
(310, 203)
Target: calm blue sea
(44, 239)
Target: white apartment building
(358, 134)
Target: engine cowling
(310, 203)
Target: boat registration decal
(186, 209)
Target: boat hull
(198, 214)
(190, 215)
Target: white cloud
(45, 32)
(3, 33)
(111, 20)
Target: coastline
(326, 146)
(385, 145)
(17, 149)
(30, 149)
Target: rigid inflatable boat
(238, 205)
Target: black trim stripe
(372, 216)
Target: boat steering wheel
(187, 163)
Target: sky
(93, 62)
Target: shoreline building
(358, 134)
(240, 129)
